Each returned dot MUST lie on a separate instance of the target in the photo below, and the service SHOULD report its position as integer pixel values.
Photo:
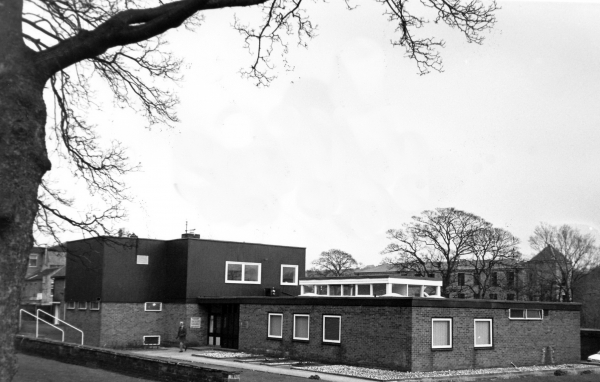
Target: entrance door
(223, 325)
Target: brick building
(409, 333)
(130, 291)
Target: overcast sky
(353, 142)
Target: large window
(363, 290)
(461, 279)
(289, 274)
(301, 327)
(483, 333)
(332, 329)
(242, 273)
(33, 260)
(275, 325)
(441, 333)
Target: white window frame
(541, 317)
(491, 322)
(155, 335)
(92, 305)
(339, 331)
(525, 315)
(84, 305)
(142, 259)
(307, 329)
(71, 305)
(31, 257)
(269, 326)
(364, 295)
(153, 310)
(449, 320)
(243, 273)
(295, 274)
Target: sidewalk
(244, 368)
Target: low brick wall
(123, 363)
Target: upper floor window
(242, 273)
(494, 279)
(525, 314)
(82, 305)
(141, 259)
(461, 279)
(289, 274)
(510, 279)
(33, 260)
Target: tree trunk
(23, 162)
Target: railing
(37, 324)
(58, 319)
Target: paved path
(245, 368)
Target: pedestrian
(181, 333)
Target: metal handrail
(64, 322)
(37, 323)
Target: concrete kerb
(282, 370)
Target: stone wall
(123, 363)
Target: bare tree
(64, 45)
(334, 263)
(566, 255)
(435, 241)
(491, 249)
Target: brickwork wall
(370, 335)
(86, 320)
(135, 366)
(518, 341)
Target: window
(441, 333)
(332, 329)
(275, 325)
(308, 289)
(322, 290)
(483, 333)
(461, 279)
(141, 259)
(348, 290)
(414, 291)
(242, 273)
(301, 327)
(82, 305)
(494, 279)
(510, 279)
(335, 290)
(525, 314)
(151, 340)
(379, 289)
(493, 296)
(460, 295)
(363, 290)
(71, 305)
(289, 274)
(153, 306)
(431, 275)
(95, 305)
(33, 260)
(510, 296)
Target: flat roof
(402, 302)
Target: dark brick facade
(396, 333)
(120, 325)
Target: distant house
(38, 288)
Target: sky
(354, 142)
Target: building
(38, 288)
(130, 291)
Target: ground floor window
(82, 305)
(332, 329)
(441, 333)
(275, 325)
(301, 327)
(483, 333)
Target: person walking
(181, 333)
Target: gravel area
(390, 375)
(224, 354)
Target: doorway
(223, 325)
